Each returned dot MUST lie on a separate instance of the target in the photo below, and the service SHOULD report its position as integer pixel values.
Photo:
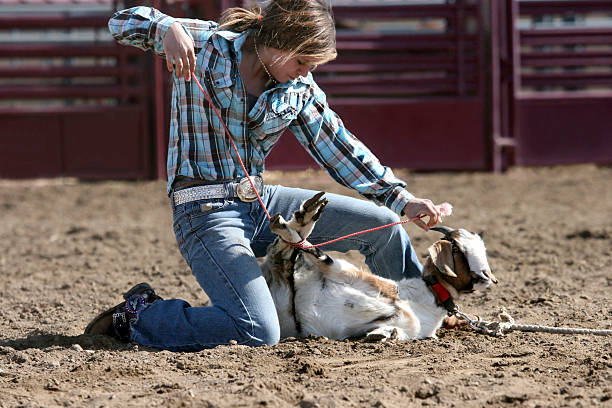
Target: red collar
(441, 292)
(443, 297)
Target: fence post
(514, 48)
(460, 32)
(505, 80)
(495, 84)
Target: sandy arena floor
(69, 249)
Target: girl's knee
(265, 332)
(268, 336)
(259, 329)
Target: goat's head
(461, 259)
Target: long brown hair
(300, 27)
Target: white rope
(498, 329)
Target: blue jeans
(221, 238)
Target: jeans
(220, 240)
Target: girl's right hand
(180, 55)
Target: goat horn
(444, 230)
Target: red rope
(302, 246)
(229, 135)
(293, 244)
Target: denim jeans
(221, 238)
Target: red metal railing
(552, 83)
(70, 104)
(547, 99)
(405, 63)
(406, 75)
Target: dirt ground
(69, 249)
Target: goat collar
(443, 297)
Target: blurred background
(427, 85)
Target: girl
(255, 65)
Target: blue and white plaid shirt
(198, 146)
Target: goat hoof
(452, 322)
(374, 337)
(313, 207)
(277, 223)
(312, 202)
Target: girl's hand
(178, 47)
(422, 207)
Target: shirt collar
(234, 42)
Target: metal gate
(72, 103)
(463, 84)
(409, 81)
(552, 82)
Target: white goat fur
(334, 298)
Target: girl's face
(286, 70)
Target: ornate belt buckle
(245, 191)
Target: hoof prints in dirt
(588, 234)
(67, 252)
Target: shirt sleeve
(343, 156)
(146, 27)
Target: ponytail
(299, 27)
(238, 19)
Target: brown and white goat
(316, 294)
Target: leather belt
(241, 189)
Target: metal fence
(408, 74)
(552, 82)
(72, 103)
(463, 84)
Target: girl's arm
(177, 40)
(348, 161)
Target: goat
(317, 294)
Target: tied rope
(507, 324)
(302, 243)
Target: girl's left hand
(422, 207)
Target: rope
(302, 243)
(499, 329)
(227, 132)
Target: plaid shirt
(198, 146)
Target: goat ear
(442, 256)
